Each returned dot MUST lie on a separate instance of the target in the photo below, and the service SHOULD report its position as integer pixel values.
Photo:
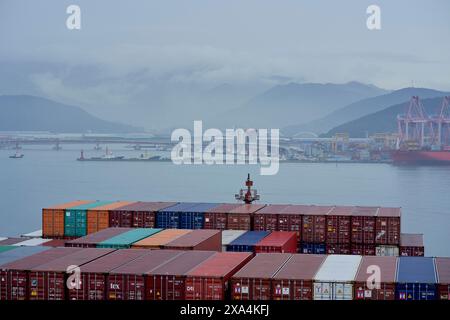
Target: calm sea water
(45, 177)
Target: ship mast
(247, 195)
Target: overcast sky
(123, 44)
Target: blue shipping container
(247, 241)
(194, 217)
(416, 279)
(313, 248)
(170, 218)
(20, 253)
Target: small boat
(17, 155)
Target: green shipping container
(7, 248)
(75, 219)
(125, 240)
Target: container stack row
(43, 273)
(320, 229)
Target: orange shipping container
(98, 217)
(160, 239)
(53, 218)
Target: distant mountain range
(30, 113)
(295, 103)
(361, 108)
(384, 120)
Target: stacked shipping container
(253, 281)
(443, 277)
(217, 217)
(75, 219)
(241, 218)
(386, 269)
(159, 240)
(197, 240)
(137, 215)
(98, 217)
(278, 241)
(411, 245)
(416, 279)
(294, 281)
(127, 239)
(92, 240)
(247, 242)
(53, 218)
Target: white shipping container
(32, 242)
(334, 280)
(229, 236)
(387, 251)
(34, 234)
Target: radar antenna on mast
(247, 195)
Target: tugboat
(17, 155)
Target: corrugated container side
(168, 282)
(363, 249)
(267, 219)
(75, 218)
(93, 276)
(367, 288)
(334, 280)
(388, 226)
(98, 217)
(294, 280)
(253, 281)
(387, 251)
(53, 218)
(170, 218)
(333, 248)
(339, 225)
(216, 218)
(443, 277)
(48, 281)
(363, 225)
(14, 275)
(241, 218)
(411, 244)
(313, 248)
(128, 281)
(209, 280)
(416, 279)
(291, 219)
(315, 224)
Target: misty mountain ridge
(361, 108)
(31, 113)
(384, 120)
(294, 103)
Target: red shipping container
(385, 289)
(209, 280)
(278, 241)
(97, 218)
(210, 240)
(338, 248)
(241, 218)
(91, 240)
(388, 226)
(216, 218)
(290, 219)
(48, 281)
(168, 282)
(253, 281)
(15, 274)
(128, 281)
(294, 280)
(363, 224)
(363, 249)
(339, 222)
(137, 215)
(443, 276)
(314, 224)
(55, 243)
(93, 274)
(267, 218)
(411, 244)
